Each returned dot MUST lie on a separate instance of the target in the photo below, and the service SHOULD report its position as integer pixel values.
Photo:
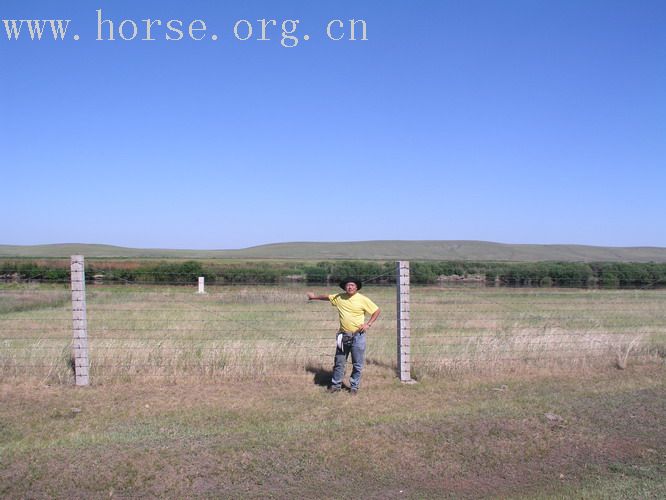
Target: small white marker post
(201, 285)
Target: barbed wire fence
(240, 330)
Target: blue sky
(511, 121)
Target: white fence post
(403, 323)
(201, 285)
(79, 321)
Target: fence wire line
(537, 332)
(325, 318)
(329, 352)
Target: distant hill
(368, 250)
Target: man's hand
(311, 296)
(369, 323)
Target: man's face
(351, 288)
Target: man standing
(352, 310)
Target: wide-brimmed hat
(344, 282)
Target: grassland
(223, 395)
(599, 436)
(367, 250)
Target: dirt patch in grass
(514, 437)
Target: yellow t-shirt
(352, 310)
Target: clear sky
(516, 121)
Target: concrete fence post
(403, 322)
(79, 321)
(201, 285)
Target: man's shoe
(353, 392)
(331, 389)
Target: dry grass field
(519, 395)
(268, 331)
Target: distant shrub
(315, 274)
(546, 282)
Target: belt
(352, 334)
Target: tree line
(514, 274)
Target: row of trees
(545, 274)
(538, 274)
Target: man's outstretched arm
(312, 296)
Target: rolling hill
(368, 250)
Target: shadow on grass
(381, 364)
(322, 376)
